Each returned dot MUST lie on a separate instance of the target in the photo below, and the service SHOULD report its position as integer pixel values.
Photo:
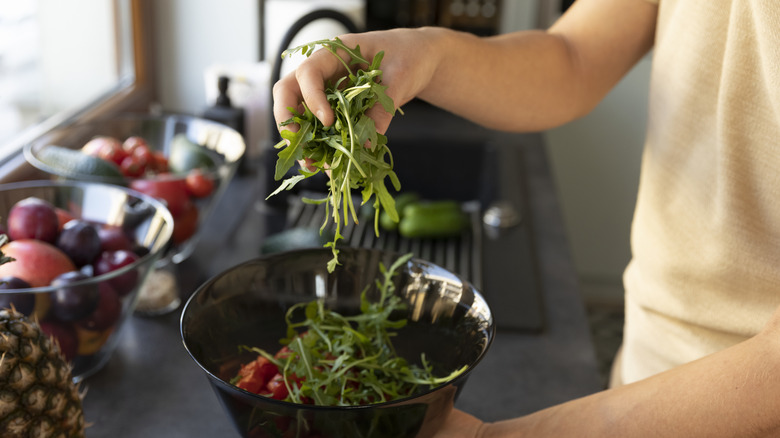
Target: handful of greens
(356, 156)
(330, 359)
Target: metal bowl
(224, 145)
(448, 320)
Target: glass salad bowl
(81, 252)
(447, 322)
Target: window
(65, 61)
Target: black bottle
(223, 111)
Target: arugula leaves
(350, 360)
(354, 153)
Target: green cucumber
(433, 219)
(431, 208)
(186, 155)
(74, 164)
(401, 201)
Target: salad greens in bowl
(380, 347)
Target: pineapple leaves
(354, 154)
(4, 258)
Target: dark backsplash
(480, 17)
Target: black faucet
(319, 14)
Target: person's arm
(523, 81)
(732, 393)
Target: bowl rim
(30, 152)
(146, 258)
(491, 333)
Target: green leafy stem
(350, 360)
(354, 154)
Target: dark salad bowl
(448, 320)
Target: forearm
(524, 81)
(533, 80)
(518, 82)
(731, 393)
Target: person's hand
(460, 425)
(407, 67)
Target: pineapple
(37, 395)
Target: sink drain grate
(461, 254)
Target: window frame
(135, 95)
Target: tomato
(251, 385)
(106, 148)
(277, 388)
(264, 369)
(131, 167)
(256, 374)
(283, 352)
(186, 223)
(160, 162)
(173, 192)
(198, 184)
(133, 142)
(143, 155)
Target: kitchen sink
(485, 176)
(437, 169)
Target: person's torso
(706, 232)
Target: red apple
(37, 262)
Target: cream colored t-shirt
(705, 272)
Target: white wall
(595, 160)
(191, 35)
(197, 40)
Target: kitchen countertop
(151, 387)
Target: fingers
(306, 163)
(307, 84)
(397, 91)
(381, 118)
(286, 94)
(312, 85)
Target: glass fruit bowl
(448, 321)
(187, 163)
(81, 252)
